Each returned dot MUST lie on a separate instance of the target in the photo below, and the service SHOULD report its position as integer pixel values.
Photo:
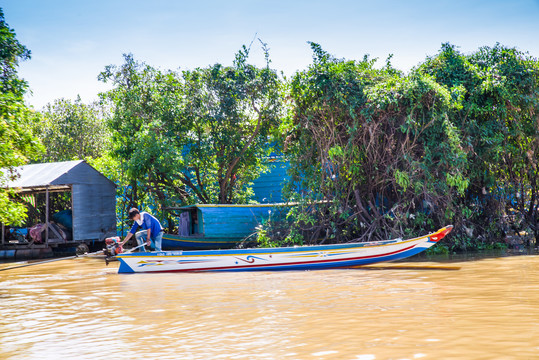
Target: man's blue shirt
(148, 222)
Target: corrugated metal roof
(48, 174)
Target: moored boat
(286, 258)
(221, 226)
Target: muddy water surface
(81, 309)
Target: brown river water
(82, 309)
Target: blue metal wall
(268, 187)
(232, 221)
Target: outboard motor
(113, 246)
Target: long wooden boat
(269, 259)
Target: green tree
(235, 112)
(196, 136)
(17, 145)
(72, 130)
(146, 133)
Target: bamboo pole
(27, 263)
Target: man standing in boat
(152, 232)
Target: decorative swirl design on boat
(250, 259)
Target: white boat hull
(271, 259)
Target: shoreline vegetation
(374, 153)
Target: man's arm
(148, 241)
(129, 234)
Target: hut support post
(3, 233)
(47, 216)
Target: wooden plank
(57, 234)
(56, 241)
(40, 190)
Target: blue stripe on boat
(259, 251)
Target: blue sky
(72, 41)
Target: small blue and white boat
(286, 258)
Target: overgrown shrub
(386, 154)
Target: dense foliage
(72, 130)
(193, 137)
(454, 141)
(17, 144)
(377, 146)
(498, 119)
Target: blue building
(268, 187)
